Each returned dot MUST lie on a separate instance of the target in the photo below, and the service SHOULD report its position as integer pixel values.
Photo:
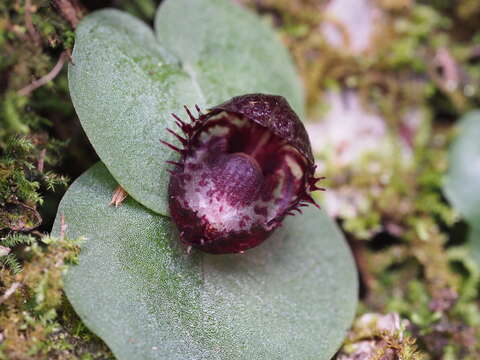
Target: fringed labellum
(244, 166)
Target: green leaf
(473, 241)
(292, 297)
(227, 50)
(125, 85)
(462, 185)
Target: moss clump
(36, 321)
(23, 163)
(380, 337)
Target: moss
(36, 321)
(405, 44)
(27, 153)
(24, 161)
(402, 229)
(378, 337)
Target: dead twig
(45, 79)
(34, 35)
(41, 160)
(71, 10)
(449, 77)
(475, 51)
(446, 74)
(63, 227)
(118, 196)
(10, 291)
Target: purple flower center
(237, 177)
(244, 166)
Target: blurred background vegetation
(385, 81)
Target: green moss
(35, 318)
(36, 321)
(21, 178)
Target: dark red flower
(244, 166)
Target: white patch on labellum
(210, 203)
(294, 166)
(200, 191)
(214, 208)
(217, 130)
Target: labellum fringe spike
(244, 166)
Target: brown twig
(71, 10)
(45, 79)
(445, 73)
(118, 196)
(10, 291)
(475, 51)
(63, 227)
(41, 160)
(450, 77)
(29, 24)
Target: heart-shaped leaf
(125, 85)
(292, 297)
(462, 186)
(227, 50)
